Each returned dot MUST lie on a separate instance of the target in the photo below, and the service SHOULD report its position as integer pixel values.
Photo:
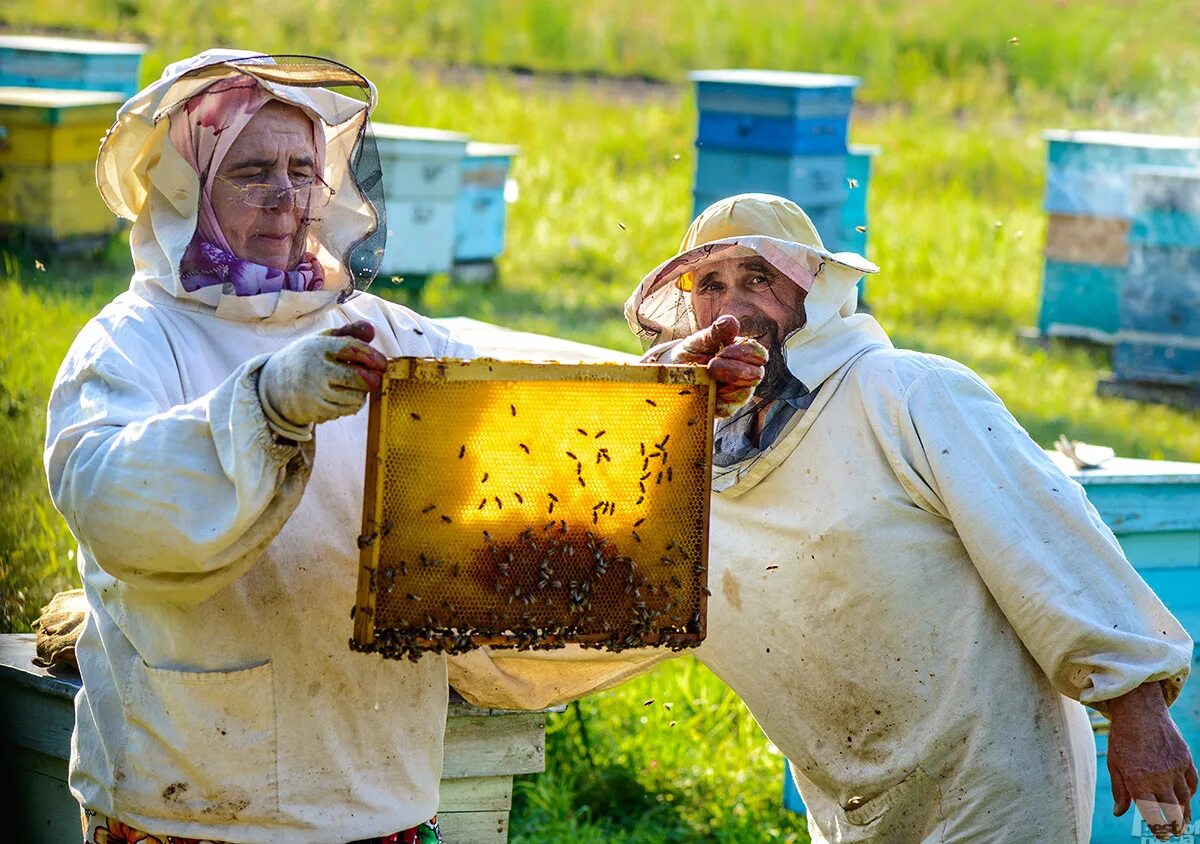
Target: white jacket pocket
(199, 745)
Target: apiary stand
(484, 749)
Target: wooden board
(1099, 241)
(474, 827)
(476, 794)
(481, 746)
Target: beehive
(1088, 203)
(481, 209)
(535, 504)
(48, 145)
(1159, 302)
(422, 172)
(40, 61)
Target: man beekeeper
(910, 597)
(220, 700)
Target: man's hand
(320, 377)
(1149, 762)
(737, 364)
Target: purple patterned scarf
(205, 264)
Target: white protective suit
(908, 594)
(220, 698)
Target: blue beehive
(1088, 200)
(1159, 337)
(35, 61)
(480, 214)
(422, 173)
(1153, 507)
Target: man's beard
(776, 375)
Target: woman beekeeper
(220, 700)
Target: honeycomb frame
(533, 505)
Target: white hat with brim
(771, 227)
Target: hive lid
(56, 98)
(480, 149)
(57, 44)
(1121, 139)
(1129, 470)
(775, 78)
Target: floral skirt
(98, 829)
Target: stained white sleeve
(177, 499)
(1055, 569)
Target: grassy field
(605, 176)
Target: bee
(580, 430)
(658, 480)
(412, 597)
(636, 538)
(572, 455)
(517, 495)
(638, 523)
(404, 567)
(462, 450)
(641, 498)
(446, 518)
(692, 421)
(663, 444)
(553, 497)
(668, 474)
(416, 417)
(651, 402)
(853, 183)
(860, 229)
(499, 503)
(482, 503)
(524, 447)
(483, 480)
(513, 408)
(430, 508)
(581, 481)
(772, 568)
(599, 434)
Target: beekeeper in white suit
(907, 593)
(216, 520)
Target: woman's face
(275, 148)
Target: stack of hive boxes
(1087, 238)
(1158, 340)
(58, 97)
(763, 131)
(445, 199)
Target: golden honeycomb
(532, 505)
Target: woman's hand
(737, 364)
(320, 377)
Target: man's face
(768, 305)
(275, 148)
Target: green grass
(605, 184)
(1080, 51)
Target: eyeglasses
(311, 192)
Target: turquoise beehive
(1159, 336)
(481, 210)
(1088, 202)
(35, 61)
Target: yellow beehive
(535, 504)
(48, 144)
